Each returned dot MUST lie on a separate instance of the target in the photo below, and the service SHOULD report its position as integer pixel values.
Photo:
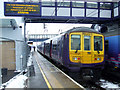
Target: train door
(50, 53)
(87, 48)
(44, 48)
(75, 50)
(98, 49)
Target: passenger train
(80, 49)
(112, 50)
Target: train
(112, 45)
(79, 49)
(112, 51)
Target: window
(98, 43)
(92, 4)
(58, 45)
(63, 3)
(115, 4)
(54, 46)
(48, 2)
(105, 5)
(87, 43)
(77, 3)
(47, 47)
(75, 42)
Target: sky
(51, 28)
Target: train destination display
(18, 9)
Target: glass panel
(63, 3)
(54, 46)
(77, 4)
(105, 5)
(98, 43)
(35, 1)
(48, 2)
(75, 42)
(92, 4)
(115, 4)
(87, 43)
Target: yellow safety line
(46, 80)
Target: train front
(86, 52)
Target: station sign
(21, 9)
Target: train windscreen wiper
(98, 48)
(76, 50)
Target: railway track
(102, 84)
(105, 83)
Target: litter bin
(31, 71)
(4, 71)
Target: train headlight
(74, 58)
(98, 59)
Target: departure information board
(21, 9)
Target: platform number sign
(21, 9)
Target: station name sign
(21, 9)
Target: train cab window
(98, 43)
(87, 43)
(54, 46)
(75, 42)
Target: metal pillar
(0, 59)
(0, 77)
(0, 55)
(24, 59)
(25, 31)
(0, 66)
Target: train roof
(82, 29)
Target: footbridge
(40, 37)
(64, 11)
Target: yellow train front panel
(86, 47)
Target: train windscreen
(75, 42)
(98, 43)
(87, 45)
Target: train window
(47, 46)
(75, 42)
(58, 45)
(54, 46)
(98, 43)
(87, 43)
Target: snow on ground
(108, 85)
(18, 82)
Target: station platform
(49, 76)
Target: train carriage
(78, 49)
